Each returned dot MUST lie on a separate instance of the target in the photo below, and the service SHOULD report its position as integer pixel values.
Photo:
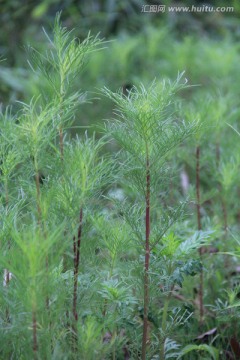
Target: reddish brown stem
(34, 328)
(201, 307)
(7, 280)
(7, 277)
(76, 251)
(104, 308)
(146, 264)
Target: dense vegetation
(120, 237)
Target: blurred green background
(142, 46)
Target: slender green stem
(76, 251)
(223, 206)
(6, 192)
(198, 187)
(62, 92)
(165, 312)
(164, 323)
(61, 143)
(7, 273)
(147, 260)
(38, 192)
(201, 282)
(41, 224)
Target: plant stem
(225, 217)
(34, 327)
(62, 93)
(199, 228)
(223, 206)
(61, 143)
(7, 276)
(41, 224)
(147, 258)
(38, 193)
(164, 321)
(164, 325)
(6, 192)
(76, 251)
(38, 197)
(198, 187)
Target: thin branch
(147, 259)
(199, 228)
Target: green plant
(147, 131)
(99, 249)
(41, 175)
